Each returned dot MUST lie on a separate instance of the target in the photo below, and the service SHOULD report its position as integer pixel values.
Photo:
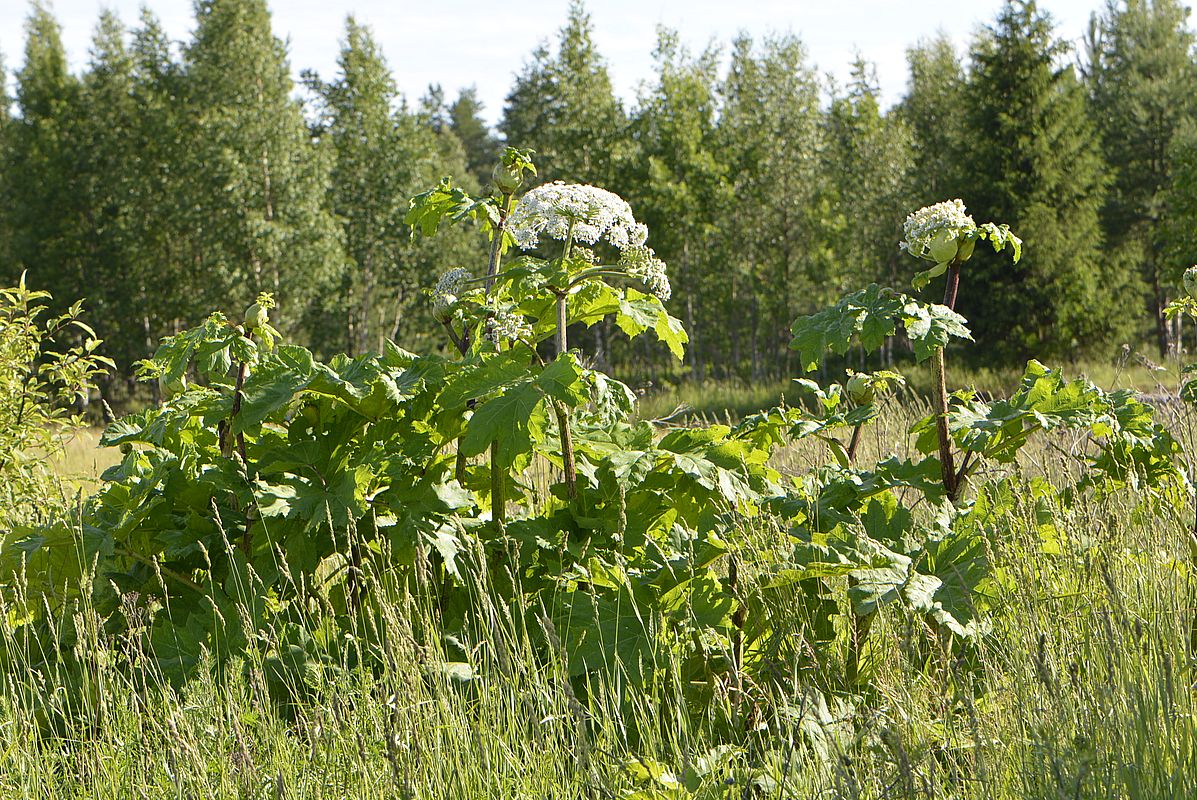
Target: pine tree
(259, 183)
(564, 108)
(1034, 162)
(1141, 79)
(480, 144)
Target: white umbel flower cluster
(593, 213)
(642, 263)
(505, 326)
(932, 231)
(1190, 281)
(448, 287)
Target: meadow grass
(730, 400)
(82, 459)
(1083, 688)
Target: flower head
(935, 232)
(590, 213)
(448, 287)
(505, 326)
(642, 263)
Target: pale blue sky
(461, 42)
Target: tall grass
(1082, 689)
(724, 400)
(82, 459)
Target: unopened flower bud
(941, 233)
(1190, 281)
(255, 317)
(507, 179)
(860, 390)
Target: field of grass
(719, 401)
(1083, 688)
(82, 459)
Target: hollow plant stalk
(860, 625)
(227, 438)
(946, 460)
(568, 463)
(498, 494)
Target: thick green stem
(459, 466)
(856, 641)
(859, 626)
(562, 321)
(496, 243)
(946, 459)
(227, 438)
(157, 565)
(498, 500)
(1193, 567)
(854, 443)
(498, 495)
(568, 463)
(739, 618)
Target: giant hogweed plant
(264, 508)
(625, 547)
(915, 532)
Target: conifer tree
(45, 201)
(1141, 78)
(1034, 161)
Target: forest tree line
(169, 179)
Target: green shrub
(47, 365)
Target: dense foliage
(48, 364)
